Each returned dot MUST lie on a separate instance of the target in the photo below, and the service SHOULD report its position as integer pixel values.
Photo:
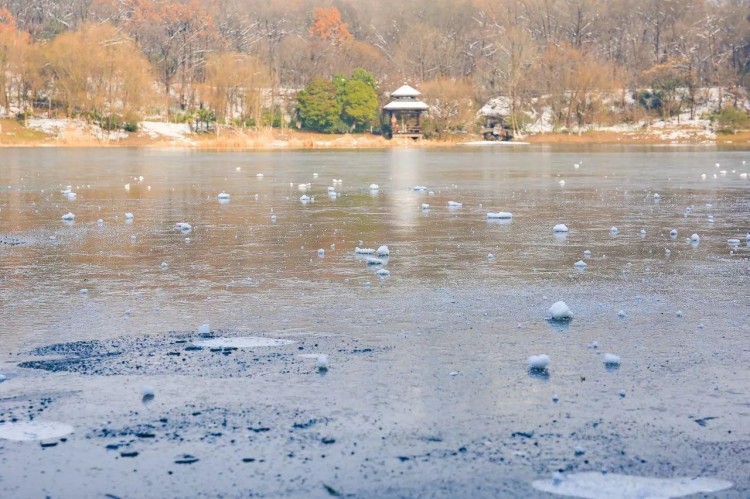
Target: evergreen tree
(318, 106)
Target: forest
(254, 62)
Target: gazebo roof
(406, 91)
(409, 105)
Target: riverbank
(73, 133)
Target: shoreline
(13, 134)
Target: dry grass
(13, 133)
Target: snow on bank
(159, 130)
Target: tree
(234, 83)
(359, 104)
(327, 25)
(451, 105)
(318, 107)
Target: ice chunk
(183, 226)
(383, 273)
(611, 360)
(69, 216)
(129, 216)
(420, 188)
(613, 230)
(27, 431)
(657, 196)
(594, 485)
(147, 391)
(559, 311)
(425, 206)
(321, 363)
(621, 313)
(501, 215)
(560, 228)
(580, 264)
(321, 252)
(363, 251)
(733, 242)
(673, 233)
(587, 254)
(383, 251)
(374, 187)
(455, 204)
(84, 292)
(242, 342)
(679, 313)
(304, 199)
(538, 362)
(695, 238)
(163, 265)
(562, 183)
(223, 195)
(371, 260)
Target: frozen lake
(427, 392)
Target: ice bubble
(455, 204)
(374, 187)
(27, 431)
(223, 195)
(321, 252)
(594, 485)
(538, 362)
(695, 238)
(611, 360)
(69, 216)
(580, 264)
(164, 265)
(501, 215)
(559, 311)
(383, 251)
(383, 273)
(560, 228)
(363, 251)
(321, 363)
(242, 342)
(587, 254)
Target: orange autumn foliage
(327, 25)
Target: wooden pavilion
(401, 117)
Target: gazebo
(401, 116)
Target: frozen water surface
(427, 394)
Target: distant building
(401, 117)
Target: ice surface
(27, 431)
(242, 342)
(594, 485)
